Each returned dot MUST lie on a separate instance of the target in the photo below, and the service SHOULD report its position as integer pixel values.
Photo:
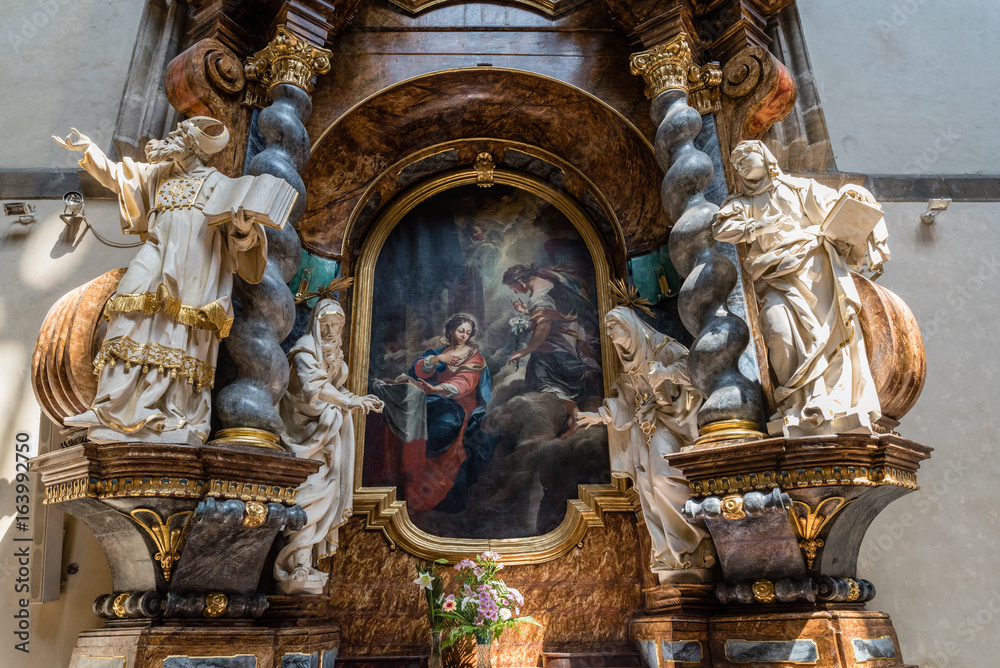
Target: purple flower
(479, 571)
(465, 563)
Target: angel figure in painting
(563, 349)
(156, 366)
(808, 302)
(653, 413)
(316, 412)
(432, 413)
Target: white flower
(504, 613)
(467, 600)
(499, 567)
(424, 581)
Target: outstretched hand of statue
(589, 419)
(81, 142)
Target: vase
(484, 641)
(434, 661)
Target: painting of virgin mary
(432, 411)
(478, 435)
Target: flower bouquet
(482, 606)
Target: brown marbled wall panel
(584, 599)
(384, 45)
(480, 103)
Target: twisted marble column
(246, 407)
(733, 403)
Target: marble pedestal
(187, 531)
(787, 517)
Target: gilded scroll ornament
(288, 59)
(732, 507)
(215, 604)
(255, 514)
(855, 593)
(809, 522)
(119, 605)
(167, 537)
(763, 591)
(671, 66)
(819, 476)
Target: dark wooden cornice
(245, 26)
(719, 28)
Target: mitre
(209, 144)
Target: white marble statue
(653, 413)
(316, 411)
(156, 367)
(808, 302)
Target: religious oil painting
(484, 344)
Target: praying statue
(802, 240)
(156, 367)
(652, 414)
(316, 412)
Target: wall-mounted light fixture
(73, 211)
(25, 212)
(934, 207)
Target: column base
(247, 436)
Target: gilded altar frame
(383, 510)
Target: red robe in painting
(427, 480)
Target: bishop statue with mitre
(156, 367)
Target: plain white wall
(908, 86)
(934, 555)
(65, 64)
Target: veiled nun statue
(316, 411)
(654, 413)
(808, 302)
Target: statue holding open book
(156, 367)
(803, 239)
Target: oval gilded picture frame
(385, 512)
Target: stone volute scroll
(803, 239)
(652, 414)
(156, 367)
(316, 412)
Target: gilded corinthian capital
(288, 59)
(670, 66)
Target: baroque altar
(388, 315)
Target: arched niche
(434, 123)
